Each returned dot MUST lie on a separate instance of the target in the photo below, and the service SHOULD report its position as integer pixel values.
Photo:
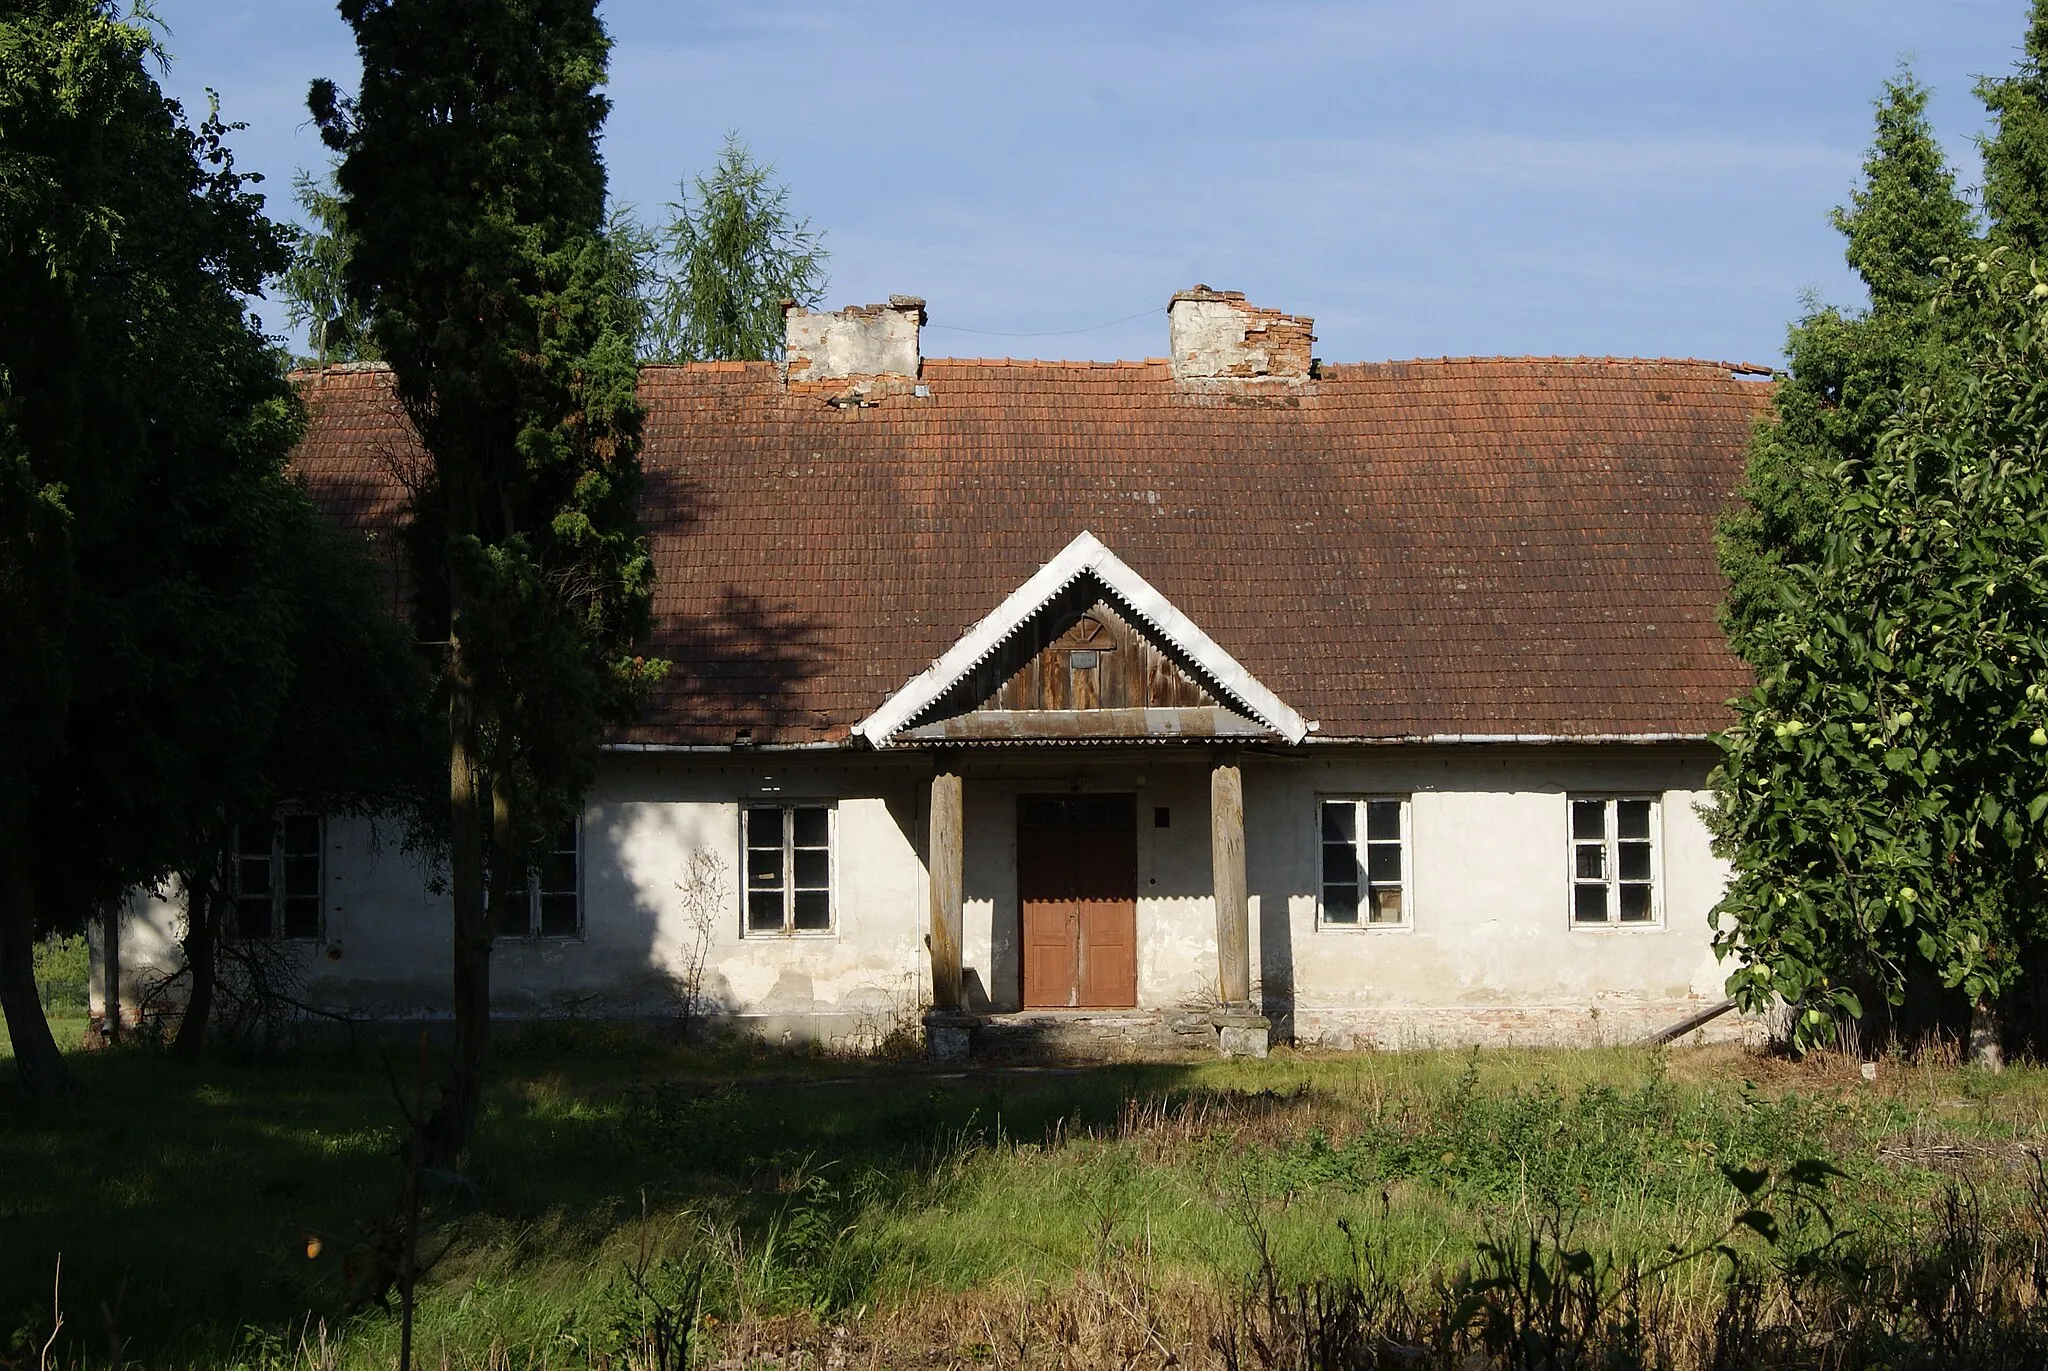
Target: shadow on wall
(1277, 844)
(672, 880)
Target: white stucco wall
(1489, 954)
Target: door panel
(1077, 885)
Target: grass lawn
(218, 1215)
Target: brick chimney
(1217, 335)
(855, 343)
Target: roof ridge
(333, 368)
(708, 364)
(1127, 364)
(1562, 359)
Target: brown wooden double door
(1077, 884)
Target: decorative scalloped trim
(1084, 556)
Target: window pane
(301, 834)
(1589, 903)
(813, 869)
(558, 916)
(813, 827)
(1632, 819)
(1383, 863)
(253, 875)
(1635, 903)
(252, 840)
(764, 911)
(1340, 821)
(764, 868)
(1383, 819)
(558, 872)
(813, 910)
(1591, 863)
(302, 918)
(764, 828)
(1634, 861)
(302, 876)
(1340, 904)
(1386, 906)
(1589, 818)
(1340, 864)
(252, 918)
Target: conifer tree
(734, 254)
(2016, 154)
(315, 297)
(472, 189)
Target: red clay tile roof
(1466, 546)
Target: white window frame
(277, 934)
(789, 928)
(1611, 868)
(533, 933)
(1406, 923)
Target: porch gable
(1086, 648)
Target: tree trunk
(110, 969)
(511, 909)
(37, 1062)
(1986, 1048)
(204, 897)
(448, 1132)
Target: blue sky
(1462, 177)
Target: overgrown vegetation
(630, 1204)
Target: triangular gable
(1085, 556)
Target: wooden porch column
(1226, 862)
(947, 860)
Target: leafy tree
(312, 286)
(1884, 789)
(144, 426)
(1882, 792)
(734, 255)
(472, 189)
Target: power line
(1054, 333)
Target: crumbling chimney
(1217, 335)
(854, 343)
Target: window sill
(1348, 930)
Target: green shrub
(62, 967)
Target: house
(1196, 699)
